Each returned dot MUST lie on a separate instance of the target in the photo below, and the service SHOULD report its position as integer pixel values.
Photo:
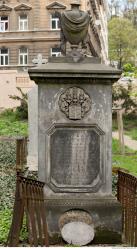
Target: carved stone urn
(75, 24)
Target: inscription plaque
(75, 157)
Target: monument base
(106, 213)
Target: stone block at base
(106, 213)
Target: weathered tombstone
(74, 145)
(32, 159)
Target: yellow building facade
(30, 27)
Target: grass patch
(126, 162)
(130, 123)
(132, 133)
(116, 148)
(10, 126)
(130, 126)
(5, 223)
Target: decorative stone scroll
(75, 103)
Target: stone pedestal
(74, 143)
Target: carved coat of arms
(74, 103)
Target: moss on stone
(104, 236)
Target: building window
(4, 23)
(4, 56)
(23, 56)
(23, 22)
(55, 22)
(55, 52)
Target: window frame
(24, 55)
(5, 57)
(23, 22)
(56, 20)
(4, 23)
(55, 54)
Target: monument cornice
(91, 72)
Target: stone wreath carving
(75, 103)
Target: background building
(31, 27)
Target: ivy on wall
(7, 173)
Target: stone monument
(74, 145)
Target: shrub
(22, 110)
(11, 126)
(128, 68)
(122, 95)
(8, 114)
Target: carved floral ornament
(75, 103)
